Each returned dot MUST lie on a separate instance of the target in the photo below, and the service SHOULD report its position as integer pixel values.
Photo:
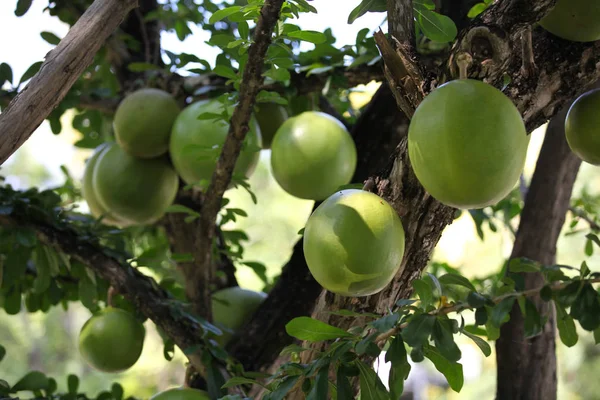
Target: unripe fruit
(134, 189)
(270, 116)
(232, 307)
(312, 155)
(88, 192)
(111, 340)
(196, 143)
(143, 122)
(181, 394)
(354, 243)
(582, 127)
(467, 144)
(574, 20)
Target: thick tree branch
(142, 291)
(59, 72)
(249, 87)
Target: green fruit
(181, 394)
(270, 116)
(467, 144)
(312, 155)
(196, 143)
(143, 122)
(134, 189)
(87, 189)
(232, 308)
(354, 243)
(582, 127)
(111, 340)
(574, 20)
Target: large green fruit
(270, 116)
(232, 307)
(312, 155)
(574, 20)
(134, 189)
(89, 194)
(467, 144)
(181, 394)
(143, 122)
(196, 143)
(354, 243)
(111, 340)
(582, 127)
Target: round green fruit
(270, 116)
(312, 155)
(134, 189)
(574, 20)
(232, 307)
(354, 243)
(196, 143)
(467, 144)
(111, 340)
(143, 122)
(181, 394)
(582, 127)
(89, 194)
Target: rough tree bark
(63, 66)
(527, 366)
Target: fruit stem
(463, 60)
(110, 295)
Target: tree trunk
(527, 366)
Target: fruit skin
(582, 127)
(181, 394)
(270, 116)
(312, 155)
(232, 307)
(574, 20)
(143, 122)
(192, 142)
(354, 243)
(467, 144)
(135, 189)
(87, 189)
(111, 340)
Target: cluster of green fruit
(112, 339)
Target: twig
(63, 66)
(249, 87)
(579, 213)
(145, 39)
(110, 296)
(383, 337)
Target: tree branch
(250, 85)
(59, 72)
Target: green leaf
(476, 300)
(436, 27)
(386, 323)
(50, 38)
(320, 389)
(596, 335)
(42, 267)
(282, 389)
(312, 330)
(444, 341)
(2, 352)
(6, 74)
(72, 384)
(501, 311)
(523, 265)
(451, 370)
(32, 381)
(482, 344)
(344, 389)
(396, 355)
(566, 326)
(533, 320)
(367, 6)
(22, 7)
(223, 13)
(309, 36)
(589, 248)
(455, 279)
(476, 10)
(239, 380)
(418, 329)
(31, 71)
(586, 308)
(371, 387)
(225, 72)
(424, 291)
